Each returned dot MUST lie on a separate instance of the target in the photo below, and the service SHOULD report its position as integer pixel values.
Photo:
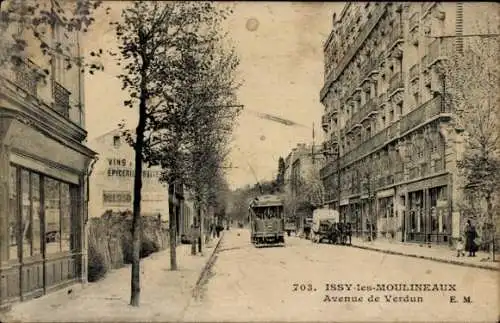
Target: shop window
(65, 218)
(13, 207)
(52, 216)
(35, 214)
(26, 233)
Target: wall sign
(116, 197)
(121, 167)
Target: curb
(453, 262)
(206, 268)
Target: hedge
(110, 241)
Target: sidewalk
(436, 253)
(165, 294)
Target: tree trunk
(136, 220)
(491, 226)
(194, 240)
(173, 233)
(200, 239)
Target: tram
(267, 221)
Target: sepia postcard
(239, 161)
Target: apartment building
(44, 164)
(392, 140)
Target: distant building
(385, 116)
(302, 165)
(299, 165)
(112, 184)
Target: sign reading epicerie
(120, 167)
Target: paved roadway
(250, 284)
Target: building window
(116, 141)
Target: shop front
(43, 177)
(387, 221)
(428, 218)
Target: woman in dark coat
(470, 235)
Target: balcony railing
(26, 77)
(396, 82)
(428, 110)
(61, 99)
(414, 71)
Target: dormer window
(116, 141)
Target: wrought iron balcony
(396, 82)
(26, 77)
(61, 99)
(424, 112)
(414, 71)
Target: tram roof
(266, 200)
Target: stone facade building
(44, 166)
(386, 121)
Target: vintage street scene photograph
(245, 161)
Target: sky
(280, 45)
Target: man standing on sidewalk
(470, 235)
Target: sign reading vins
(120, 167)
(117, 197)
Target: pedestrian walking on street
(212, 230)
(349, 233)
(218, 229)
(470, 235)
